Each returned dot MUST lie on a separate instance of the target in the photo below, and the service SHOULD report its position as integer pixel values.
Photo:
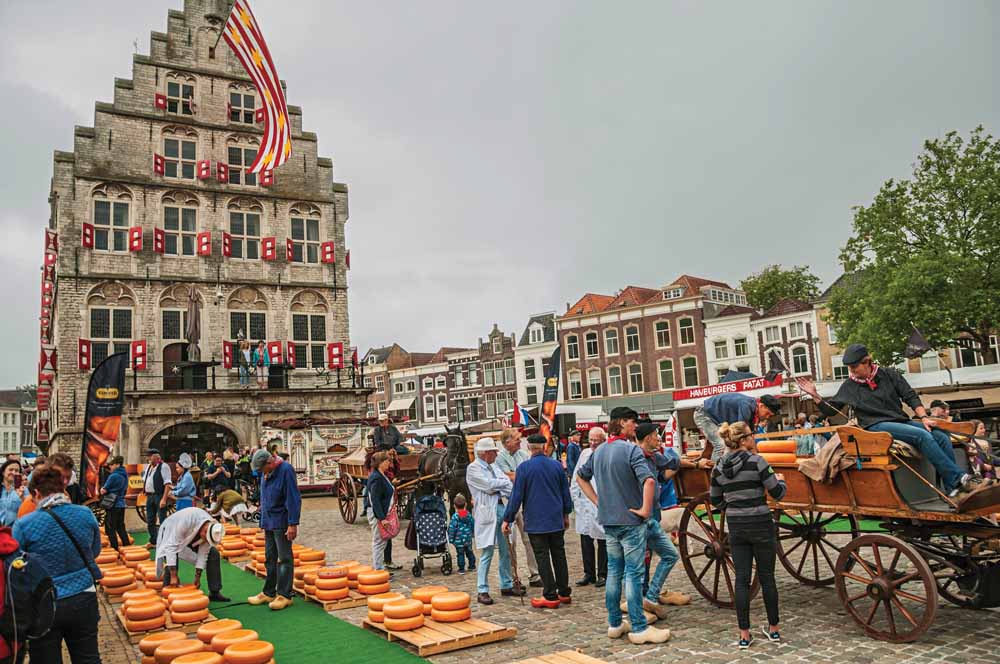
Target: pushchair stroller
(430, 521)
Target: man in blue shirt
(540, 485)
(573, 451)
(732, 408)
(280, 506)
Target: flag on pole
(244, 36)
(916, 345)
(778, 366)
(520, 417)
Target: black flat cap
(536, 439)
(772, 402)
(645, 429)
(623, 413)
(855, 353)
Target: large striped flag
(243, 35)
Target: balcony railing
(161, 376)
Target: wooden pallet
(237, 559)
(353, 599)
(436, 637)
(562, 657)
(187, 628)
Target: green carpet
(302, 633)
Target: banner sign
(550, 394)
(727, 388)
(102, 420)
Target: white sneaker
(621, 630)
(650, 635)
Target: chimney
(567, 307)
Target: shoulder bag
(76, 545)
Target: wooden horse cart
(352, 480)
(925, 545)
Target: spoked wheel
(347, 495)
(809, 544)
(958, 581)
(99, 512)
(704, 549)
(890, 591)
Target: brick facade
(496, 353)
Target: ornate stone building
(153, 207)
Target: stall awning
(401, 404)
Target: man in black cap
(622, 424)
(732, 408)
(941, 410)
(876, 394)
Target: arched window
(800, 360)
(309, 310)
(666, 374)
(442, 406)
(594, 387)
(244, 228)
(180, 152)
(591, 344)
(614, 381)
(663, 334)
(686, 326)
(611, 342)
(635, 378)
(428, 407)
(173, 311)
(180, 223)
(305, 232)
(572, 347)
(632, 339)
(575, 385)
(242, 103)
(110, 308)
(247, 314)
(112, 218)
(241, 153)
(180, 93)
(690, 372)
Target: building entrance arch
(195, 438)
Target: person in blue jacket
(541, 488)
(185, 490)
(573, 451)
(280, 508)
(732, 408)
(261, 363)
(114, 518)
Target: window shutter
(227, 355)
(227, 244)
(229, 112)
(221, 171)
(83, 355)
(354, 358)
(291, 354)
(205, 243)
(158, 167)
(47, 288)
(269, 248)
(50, 259)
(49, 273)
(158, 241)
(139, 355)
(347, 259)
(274, 351)
(87, 238)
(266, 178)
(289, 250)
(327, 252)
(259, 114)
(204, 169)
(335, 356)
(135, 238)
(51, 241)
(160, 101)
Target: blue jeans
(934, 444)
(244, 375)
(279, 563)
(660, 544)
(486, 557)
(462, 553)
(626, 553)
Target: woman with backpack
(114, 517)
(11, 492)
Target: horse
(451, 463)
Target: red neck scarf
(870, 381)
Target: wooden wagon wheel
(347, 496)
(704, 549)
(99, 512)
(890, 591)
(808, 548)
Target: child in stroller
(430, 521)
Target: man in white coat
(191, 534)
(490, 488)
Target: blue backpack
(29, 598)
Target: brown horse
(450, 464)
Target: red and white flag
(244, 36)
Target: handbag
(389, 526)
(108, 501)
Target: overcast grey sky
(505, 158)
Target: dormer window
(535, 335)
(673, 293)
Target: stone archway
(195, 438)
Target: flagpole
(229, 11)
(951, 380)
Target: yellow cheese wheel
(403, 608)
(249, 652)
(404, 624)
(137, 555)
(312, 556)
(168, 651)
(427, 609)
(375, 616)
(781, 446)
(354, 570)
(106, 557)
(332, 595)
(147, 625)
(144, 611)
(170, 590)
(425, 593)
(310, 590)
(376, 589)
(200, 658)
(451, 616)
(149, 643)
(352, 584)
(335, 572)
(121, 590)
(260, 557)
(143, 593)
(208, 631)
(155, 585)
(184, 617)
(298, 584)
(116, 579)
(309, 578)
(232, 529)
(191, 594)
(345, 563)
(376, 602)
(223, 640)
(248, 531)
(185, 604)
(774, 458)
(452, 601)
(373, 578)
(300, 572)
(331, 584)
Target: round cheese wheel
(427, 609)
(106, 557)
(310, 590)
(403, 624)
(155, 585)
(376, 589)
(191, 594)
(249, 652)
(200, 658)
(147, 625)
(248, 531)
(451, 616)
(309, 578)
(185, 604)
(298, 584)
(345, 563)
(373, 578)
(352, 584)
(782, 446)
(376, 602)
(149, 643)
(300, 572)
(375, 616)
(260, 557)
(137, 555)
(354, 570)
(312, 556)
(232, 529)
(170, 590)
(116, 579)
(144, 611)
(299, 547)
(208, 631)
(168, 651)
(143, 593)
(331, 584)
(184, 617)
(425, 593)
(332, 595)
(147, 660)
(776, 458)
(450, 601)
(403, 608)
(335, 572)
(121, 590)
(223, 640)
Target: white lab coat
(487, 485)
(585, 511)
(177, 532)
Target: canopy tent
(404, 403)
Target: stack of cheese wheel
(258, 543)
(208, 631)
(300, 572)
(257, 561)
(401, 615)
(373, 583)
(169, 591)
(188, 607)
(146, 571)
(309, 578)
(149, 643)
(105, 541)
(106, 557)
(233, 546)
(777, 451)
(170, 650)
(312, 557)
(143, 611)
(376, 602)
(223, 640)
(352, 574)
(118, 582)
(247, 535)
(203, 657)
(133, 555)
(331, 584)
(450, 607)
(232, 529)
(250, 652)
(426, 593)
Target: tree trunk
(985, 351)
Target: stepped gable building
(496, 353)
(154, 207)
(788, 328)
(532, 357)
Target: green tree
(774, 283)
(926, 252)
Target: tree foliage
(926, 252)
(774, 283)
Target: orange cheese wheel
(121, 590)
(403, 608)
(147, 625)
(208, 631)
(106, 557)
(309, 578)
(425, 593)
(404, 624)
(144, 593)
(248, 531)
(332, 595)
(376, 602)
(373, 578)
(376, 589)
(249, 652)
(193, 594)
(354, 570)
(232, 529)
(155, 585)
(223, 640)
(773, 458)
(376, 616)
(782, 446)
(300, 572)
(353, 585)
(144, 611)
(310, 590)
(185, 604)
(184, 617)
(450, 601)
(335, 572)
(137, 555)
(345, 563)
(451, 616)
(116, 579)
(200, 658)
(170, 590)
(149, 643)
(147, 660)
(331, 584)
(298, 584)
(312, 556)
(427, 609)
(168, 651)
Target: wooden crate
(562, 657)
(353, 599)
(436, 637)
